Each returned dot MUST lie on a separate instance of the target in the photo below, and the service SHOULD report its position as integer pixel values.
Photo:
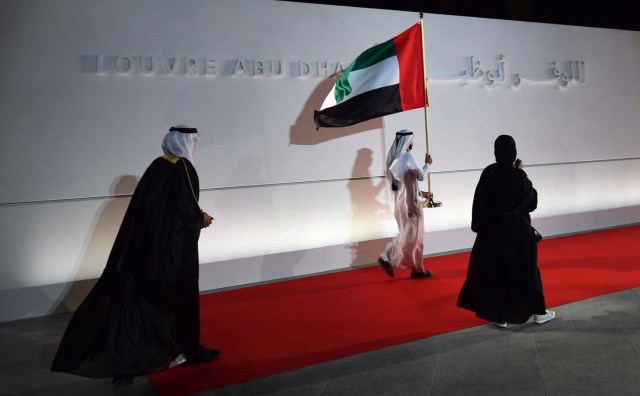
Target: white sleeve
(406, 162)
(426, 168)
(421, 172)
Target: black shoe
(420, 274)
(203, 355)
(122, 380)
(386, 266)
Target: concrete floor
(591, 348)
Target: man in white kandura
(403, 175)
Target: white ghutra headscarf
(181, 141)
(397, 164)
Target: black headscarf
(505, 150)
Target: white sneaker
(540, 319)
(502, 325)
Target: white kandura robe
(406, 250)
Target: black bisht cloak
(144, 310)
(503, 281)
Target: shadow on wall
(366, 210)
(304, 132)
(280, 266)
(99, 241)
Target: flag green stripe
(368, 58)
(374, 55)
(380, 75)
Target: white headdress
(403, 139)
(181, 141)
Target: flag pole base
(430, 203)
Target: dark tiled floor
(591, 348)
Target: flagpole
(431, 203)
(424, 93)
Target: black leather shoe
(203, 355)
(386, 267)
(420, 274)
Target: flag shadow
(304, 132)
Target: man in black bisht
(503, 282)
(143, 315)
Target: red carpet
(268, 329)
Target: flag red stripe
(409, 51)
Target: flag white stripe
(382, 74)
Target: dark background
(611, 14)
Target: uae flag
(385, 79)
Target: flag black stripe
(372, 104)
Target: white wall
(288, 200)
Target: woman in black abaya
(503, 282)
